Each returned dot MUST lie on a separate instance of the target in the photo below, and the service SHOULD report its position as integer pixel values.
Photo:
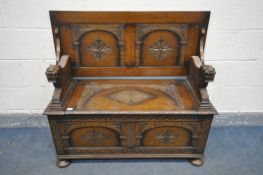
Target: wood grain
(129, 17)
(129, 40)
(130, 71)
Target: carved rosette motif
(95, 137)
(99, 49)
(160, 49)
(167, 136)
(130, 96)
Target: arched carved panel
(167, 136)
(99, 49)
(160, 48)
(94, 136)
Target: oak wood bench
(130, 85)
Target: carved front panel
(87, 136)
(167, 137)
(131, 134)
(94, 137)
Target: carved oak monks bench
(130, 85)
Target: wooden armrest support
(199, 76)
(208, 73)
(53, 74)
(60, 76)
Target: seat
(172, 95)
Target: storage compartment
(167, 136)
(132, 134)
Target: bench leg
(62, 163)
(197, 162)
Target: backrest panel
(160, 48)
(128, 39)
(162, 44)
(98, 49)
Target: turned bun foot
(197, 162)
(62, 163)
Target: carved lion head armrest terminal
(53, 74)
(208, 73)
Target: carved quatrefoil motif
(160, 49)
(95, 137)
(130, 96)
(167, 136)
(99, 49)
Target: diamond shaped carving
(131, 96)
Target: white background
(234, 46)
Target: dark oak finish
(130, 85)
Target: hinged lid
(129, 39)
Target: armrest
(60, 76)
(53, 74)
(199, 76)
(60, 73)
